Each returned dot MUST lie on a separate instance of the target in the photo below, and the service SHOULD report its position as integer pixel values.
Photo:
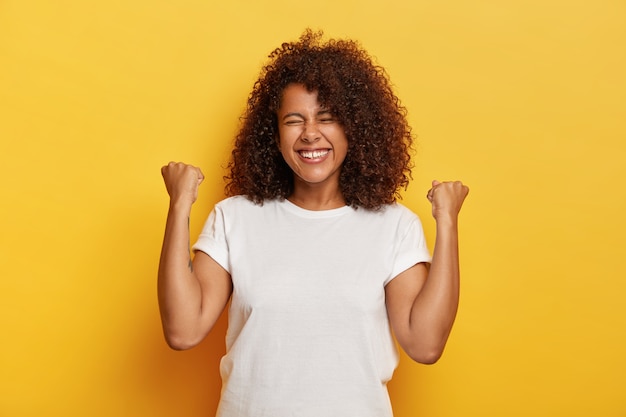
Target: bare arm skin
(192, 294)
(422, 302)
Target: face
(311, 139)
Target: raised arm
(192, 294)
(422, 301)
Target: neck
(310, 197)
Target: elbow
(180, 342)
(426, 347)
(179, 346)
(426, 358)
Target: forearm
(435, 307)
(179, 290)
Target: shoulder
(234, 201)
(237, 202)
(394, 212)
(240, 205)
(400, 218)
(400, 209)
(395, 216)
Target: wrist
(181, 205)
(447, 220)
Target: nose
(310, 132)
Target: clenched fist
(447, 198)
(182, 181)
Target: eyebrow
(293, 114)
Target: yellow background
(523, 100)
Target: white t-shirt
(308, 332)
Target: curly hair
(357, 92)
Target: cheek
(340, 141)
(285, 136)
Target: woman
(319, 261)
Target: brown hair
(357, 92)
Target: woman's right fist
(182, 181)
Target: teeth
(313, 154)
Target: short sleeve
(411, 249)
(212, 239)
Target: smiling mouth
(314, 154)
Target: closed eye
(293, 119)
(325, 116)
